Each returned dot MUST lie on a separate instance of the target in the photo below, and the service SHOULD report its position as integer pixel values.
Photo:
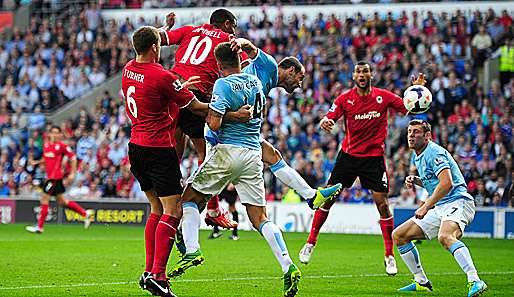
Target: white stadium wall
(201, 14)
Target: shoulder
(385, 93)
(345, 95)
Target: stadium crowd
(46, 66)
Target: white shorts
(226, 164)
(461, 211)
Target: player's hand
(409, 181)
(420, 80)
(327, 124)
(170, 20)
(245, 113)
(193, 80)
(236, 45)
(421, 212)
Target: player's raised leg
(291, 178)
(449, 235)
(76, 208)
(403, 236)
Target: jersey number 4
(257, 106)
(131, 102)
(194, 47)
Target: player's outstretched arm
(214, 120)
(443, 188)
(198, 108)
(246, 45)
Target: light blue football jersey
(265, 68)
(430, 163)
(231, 93)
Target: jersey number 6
(131, 102)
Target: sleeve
(219, 102)
(175, 36)
(68, 151)
(336, 110)
(396, 102)
(265, 62)
(174, 90)
(440, 162)
(244, 58)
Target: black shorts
(54, 187)
(229, 196)
(156, 168)
(370, 170)
(191, 124)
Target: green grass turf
(71, 261)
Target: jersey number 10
(193, 48)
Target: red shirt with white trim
(53, 154)
(195, 53)
(365, 120)
(153, 97)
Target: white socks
(410, 256)
(292, 179)
(191, 226)
(273, 236)
(461, 254)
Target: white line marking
(229, 279)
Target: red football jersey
(153, 97)
(53, 154)
(195, 53)
(365, 120)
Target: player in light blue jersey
(288, 74)
(235, 159)
(444, 215)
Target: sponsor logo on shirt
(368, 116)
(49, 155)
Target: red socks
(320, 216)
(387, 226)
(164, 237)
(42, 215)
(151, 225)
(213, 203)
(76, 208)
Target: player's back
(153, 98)
(230, 94)
(195, 53)
(265, 68)
(431, 162)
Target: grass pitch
(107, 261)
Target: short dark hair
(424, 124)
(364, 63)
(144, 38)
(289, 62)
(226, 56)
(219, 16)
(55, 127)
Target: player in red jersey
(54, 152)
(195, 57)
(365, 110)
(154, 97)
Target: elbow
(213, 125)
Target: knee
(398, 237)
(446, 239)
(272, 156)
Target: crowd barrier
(343, 218)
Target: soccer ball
(417, 99)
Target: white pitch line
(228, 279)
